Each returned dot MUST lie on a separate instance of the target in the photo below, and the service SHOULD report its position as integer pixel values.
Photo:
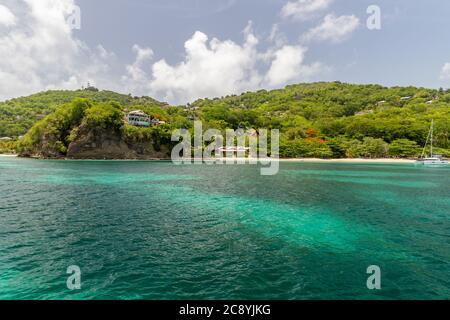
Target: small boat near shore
(435, 160)
(431, 159)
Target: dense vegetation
(339, 120)
(327, 120)
(18, 115)
(53, 134)
(8, 146)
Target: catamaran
(432, 159)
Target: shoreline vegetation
(325, 120)
(344, 160)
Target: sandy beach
(387, 160)
(381, 160)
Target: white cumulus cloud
(445, 71)
(332, 28)
(304, 9)
(137, 78)
(210, 68)
(288, 65)
(41, 52)
(213, 67)
(7, 18)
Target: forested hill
(340, 120)
(316, 120)
(18, 115)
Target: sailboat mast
(432, 130)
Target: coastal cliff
(94, 143)
(81, 130)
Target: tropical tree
(404, 148)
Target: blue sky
(165, 48)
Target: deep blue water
(153, 230)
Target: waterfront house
(231, 149)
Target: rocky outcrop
(97, 143)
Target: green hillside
(18, 115)
(328, 120)
(339, 120)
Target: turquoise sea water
(153, 230)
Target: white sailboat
(432, 159)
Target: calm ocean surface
(152, 230)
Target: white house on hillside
(138, 118)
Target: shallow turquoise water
(152, 230)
